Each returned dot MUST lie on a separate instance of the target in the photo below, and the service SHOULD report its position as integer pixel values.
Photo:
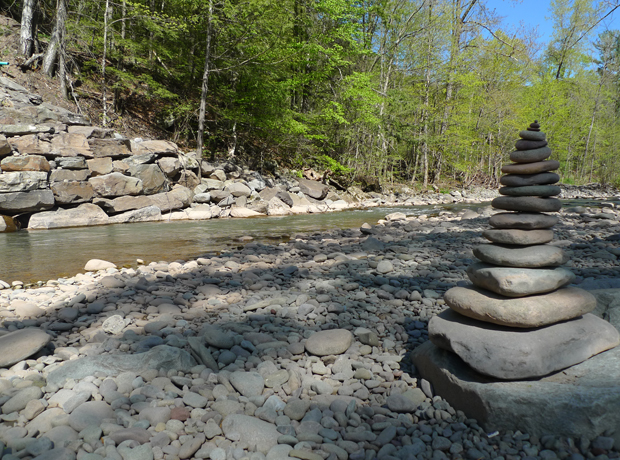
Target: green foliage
(334, 166)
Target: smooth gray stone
(526, 144)
(521, 312)
(531, 190)
(162, 357)
(514, 354)
(582, 400)
(519, 180)
(527, 204)
(530, 156)
(522, 220)
(518, 237)
(518, 282)
(252, 431)
(535, 256)
(531, 168)
(19, 345)
(329, 342)
(532, 135)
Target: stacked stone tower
(518, 320)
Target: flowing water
(30, 256)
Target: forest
(418, 91)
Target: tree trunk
(27, 32)
(205, 84)
(104, 90)
(56, 44)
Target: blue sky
(533, 13)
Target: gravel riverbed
(295, 350)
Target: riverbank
(235, 365)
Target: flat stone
(531, 190)
(522, 312)
(582, 400)
(518, 237)
(247, 383)
(25, 163)
(86, 214)
(19, 400)
(161, 357)
(31, 201)
(511, 354)
(531, 168)
(527, 204)
(542, 255)
(530, 156)
(518, 282)
(90, 413)
(255, 433)
(19, 345)
(72, 192)
(519, 180)
(526, 144)
(116, 184)
(523, 221)
(532, 135)
(330, 342)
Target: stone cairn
(518, 320)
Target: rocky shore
(297, 350)
(56, 170)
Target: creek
(31, 256)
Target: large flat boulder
(31, 145)
(24, 163)
(582, 400)
(160, 357)
(23, 181)
(72, 192)
(158, 147)
(116, 184)
(113, 148)
(148, 214)
(514, 354)
(522, 312)
(19, 345)
(100, 166)
(33, 201)
(152, 177)
(60, 175)
(179, 197)
(71, 145)
(86, 214)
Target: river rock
(23, 181)
(522, 312)
(152, 177)
(579, 402)
(330, 342)
(19, 345)
(530, 156)
(256, 433)
(527, 204)
(518, 237)
(519, 180)
(98, 264)
(518, 282)
(531, 168)
(510, 354)
(216, 337)
(526, 144)
(532, 135)
(72, 192)
(161, 357)
(247, 383)
(32, 201)
(19, 400)
(522, 220)
(116, 184)
(515, 256)
(531, 190)
(90, 413)
(86, 214)
(313, 189)
(25, 163)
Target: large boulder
(148, 214)
(19, 345)
(313, 189)
(31, 145)
(238, 189)
(188, 179)
(158, 147)
(25, 163)
(86, 214)
(23, 181)
(170, 166)
(116, 184)
(113, 148)
(71, 145)
(72, 192)
(152, 177)
(581, 401)
(179, 197)
(100, 166)
(92, 132)
(33, 201)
